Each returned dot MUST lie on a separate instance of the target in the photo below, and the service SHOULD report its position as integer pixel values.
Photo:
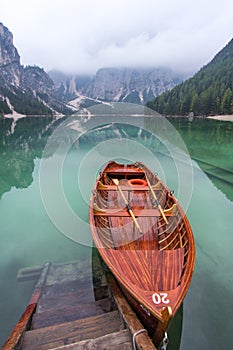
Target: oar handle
(162, 213)
(156, 200)
(135, 220)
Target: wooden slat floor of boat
(125, 234)
(70, 332)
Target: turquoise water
(47, 170)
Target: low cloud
(81, 37)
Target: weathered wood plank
(116, 341)
(64, 301)
(29, 273)
(65, 273)
(70, 332)
(83, 290)
(63, 288)
(76, 312)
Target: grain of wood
(70, 332)
(115, 341)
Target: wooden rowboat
(145, 239)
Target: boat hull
(145, 239)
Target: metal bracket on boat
(97, 208)
(165, 342)
(134, 337)
(156, 186)
(101, 186)
(170, 210)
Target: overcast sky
(81, 36)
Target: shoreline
(15, 116)
(226, 118)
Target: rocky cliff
(117, 84)
(26, 90)
(10, 68)
(130, 85)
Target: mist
(81, 37)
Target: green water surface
(47, 170)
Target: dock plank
(117, 341)
(64, 301)
(62, 288)
(56, 316)
(68, 272)
(70, 332)
(29, 273)
(75, 311)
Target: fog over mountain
(30, 90)
(84, 36)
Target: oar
(116, 182)
(156, 200)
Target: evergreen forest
(208, 92)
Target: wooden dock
(70, 309)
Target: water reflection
(22, 142)
(210, 144)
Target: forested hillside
(210, 91)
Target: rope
(165, 342)
(134, 337)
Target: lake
(48, 168)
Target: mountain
(25, 90)
(130, 85)
(30, 90)
(210, 91)
(68, 86)
(117, 84)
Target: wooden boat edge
(190, 262)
